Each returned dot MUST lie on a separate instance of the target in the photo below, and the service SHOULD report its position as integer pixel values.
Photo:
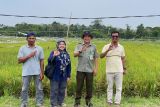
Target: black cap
(86, 33)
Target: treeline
(97, 28)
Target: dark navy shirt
(58, 74)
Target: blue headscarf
(63, 57)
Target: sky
(80, 9)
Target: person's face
(31, 40)
(115, 37)
(87, 39)
(61, 46)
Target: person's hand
(124, 71)
(56, 53)
(84, 48)
(68, 79)
(110, 48)
(41, 76)
(32, 54)
(94, 72)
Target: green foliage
(97, 28)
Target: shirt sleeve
(76, 49)
(41, 54)
(50, 57)
(68, 69)
(105, 48)
(96, 53)
(20, 53)
(123, 52)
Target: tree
(156, 32)
(97, 24)
(140, 31)
(129, 34)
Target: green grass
(142, 60)
(10, 101)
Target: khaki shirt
(113, 58)
(86, 58)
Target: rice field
(142, 61)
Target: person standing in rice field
(86, 68)
(115, 67)
(32, 58)
(62, 73)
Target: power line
(111, 17)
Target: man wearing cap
(87, 67)
(32, 58)
(115, 67)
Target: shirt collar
(89, 44)
(118, 44)
(29, 46)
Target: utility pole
(67, 40)
(68, 28)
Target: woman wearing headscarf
(61, 73)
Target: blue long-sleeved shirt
(59, 75)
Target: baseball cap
(86, 33)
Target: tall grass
(142, 60)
